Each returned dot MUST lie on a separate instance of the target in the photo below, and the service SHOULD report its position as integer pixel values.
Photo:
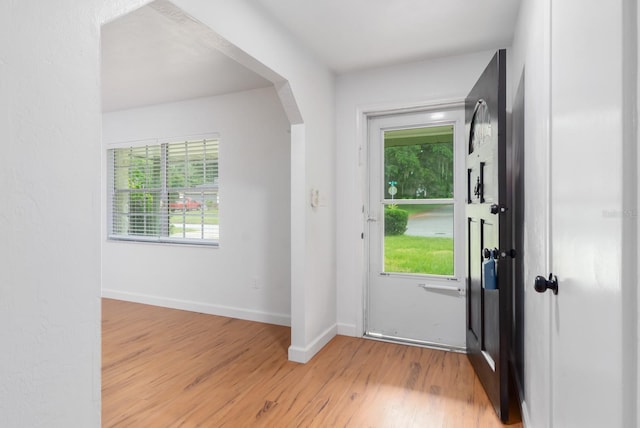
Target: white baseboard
(205, 308)
(303, 355)
(348, 330)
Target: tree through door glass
(418, 200)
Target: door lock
(498, 209)
(542, 284)
(486, 253)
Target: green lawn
(194, 217)
(416, 254)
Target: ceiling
(148, 58)
(356, 34)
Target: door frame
(362, 128)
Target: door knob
(543, 284)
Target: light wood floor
(169, 368)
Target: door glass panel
(425, 246)
(418, 170)
(418, 163)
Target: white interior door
(590, 364)
(415, 290)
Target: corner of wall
(304, 355)
(347, 330)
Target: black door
(489, 256)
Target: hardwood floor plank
(168, 368)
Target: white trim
(132, 143)
(546, 328)
(298, 234)
(419, 201)
(524, 412)
(189, 138)
(169, 241)
(348, 330)
(162, 140)
(405, 341)
(384, 109)
(205, 308)
(303, 355)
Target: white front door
(415, 237)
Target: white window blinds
(165, 192)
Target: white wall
(254, 212)
(593, 121)
(385, 88)
(313, 290)
(530, 55)
(50, 249)
(636, 337)
(581, 345)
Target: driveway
(435, 223)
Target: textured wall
(50, 216)
(254, 213)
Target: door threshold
(412, 342)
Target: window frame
(164, 189)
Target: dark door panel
(474, 308)
(488, 310)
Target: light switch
(315, 198)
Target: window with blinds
(165, 192)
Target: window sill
(165, 242)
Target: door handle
(486, 253)
(371, 219)
(498, 209)
(543, 284)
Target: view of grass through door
(418, 169)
